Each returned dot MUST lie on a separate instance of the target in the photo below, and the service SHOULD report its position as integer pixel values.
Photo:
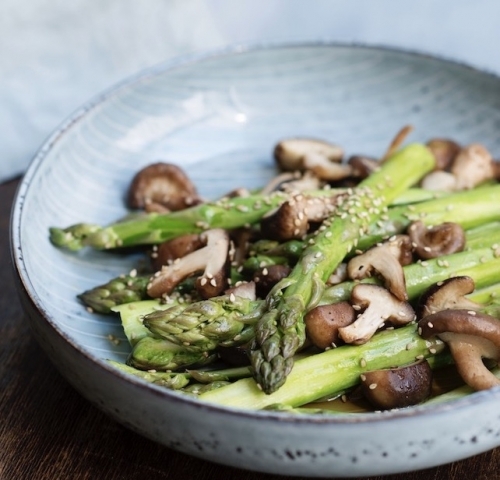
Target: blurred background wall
(55, 55)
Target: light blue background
(55, 55)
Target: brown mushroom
(433, 242)
(211, 260)
(362, 166)
(290, 153)
(323, 323)
(470, 336)
(472, 166)
(266, 278)
(325, 169)
(445, 295)
(292, 219)
(444, 150)
(169, 251)
(243, 289)
(387, 259)
(164, 186)
(439, 180)
(380, 306)
(398, 387)
(293, 182)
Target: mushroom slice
(472, 166)
(169, 251)
(293, 182)
(433, 242)
(324, 168)
(266, 278)
(448, 294)
(439, 180)
(387, 259)
(164, 185)
(212, 260)
(339, 275)
(470, 336)
(323, 323)
(444, 150)
(362, 167)
(289, 153)
(379, 306)
(243, 290)
(398, 387)
(397, 141)
(291, 220)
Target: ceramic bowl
(219, 116)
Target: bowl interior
(219, 116)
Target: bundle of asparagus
(167, 336)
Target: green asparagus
(280, 331)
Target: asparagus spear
(331, 371)
(281, 330)
(205, 325)
(155, 228)
(173, 381)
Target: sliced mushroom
(323, 323)
(293, 182)
(292, 219)
(397, 141)
(470, 336)
(162, 184)
(444, 150)
(362, 166)
(398, 387)
(379, 306)
(289, 153)
(472, 166)
(433, 242)
(445, 295)
(325, 169)
(244, 290)
(339, 275)
(266, 278)
(212, 260)
(168, 252)
(387, 259)
(439, 181)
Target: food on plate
(317, 286)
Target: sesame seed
(472, 312)
(213, 282)
(362, 363)
(232, 298)
(363, 378)
(372, 386)
(432, 350)
(203, 281)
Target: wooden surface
(48, 431)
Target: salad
(353, 278)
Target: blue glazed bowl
(219, 116)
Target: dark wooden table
(49, 432)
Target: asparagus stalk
(155, 228)
(173, 381)
(205, 325)
(331, 371)
(281, 330)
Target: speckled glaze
(219, 116)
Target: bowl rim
(130, 82)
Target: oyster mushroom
(211, 260)
(292, 219)
(398, 387)
(362, 166)
(470, 336)
(289, 153)
(445, 295)
(387, 259)
(433, 242)
(323, 323)
(379, 306)
(162, 186)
